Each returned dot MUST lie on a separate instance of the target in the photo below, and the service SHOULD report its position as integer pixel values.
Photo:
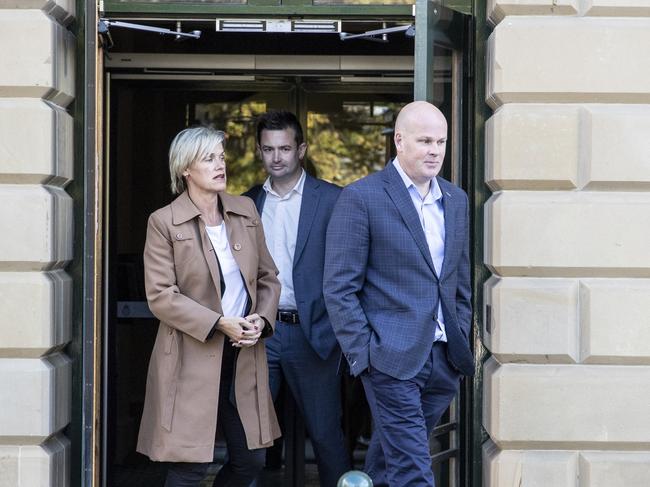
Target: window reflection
(349, 136)
(180, 2)
(349, 143)
(364, 2)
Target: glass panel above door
(364, 2)
(186, 2)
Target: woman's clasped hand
(242, 332)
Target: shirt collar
(434, 191)
(298, 188)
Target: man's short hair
(279, 120)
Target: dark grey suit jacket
(318, 201)
(380, 285)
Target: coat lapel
(449, 208)
(183, 210)
(308, 207)
(210, 257)
(402, 200)
(231, 206)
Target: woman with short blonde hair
(212, 283)
(188, 146)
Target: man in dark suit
(296, 209)
(397, 288)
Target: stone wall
(36, 163)
(567, 238)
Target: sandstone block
(36, 224)
(616, 8)
(35, 398)
(43, 67)
(498, 9)
(532, 320)
(47, 464)
(529, 468)
(36, 312)
(567, 407)
(568, 234)
(36, 144)
(553, 146)
(615, 316)
(519, 155)
(614, 469)
(568, 59)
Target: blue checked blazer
(380, 286)
(318, 200)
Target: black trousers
(242, 465)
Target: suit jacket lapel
(402, 199)
(449, 207)
(260, 198)
(308, 206)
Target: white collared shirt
(432, 218)
(280, 217)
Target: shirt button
(179, 236)
(237, 246)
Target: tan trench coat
(183, 290)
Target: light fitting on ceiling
(279, 26)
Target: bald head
(421, 142)
(418, 111)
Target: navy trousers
(404, 413)
(242, 465)
(316, 388)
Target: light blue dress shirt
(432, 217)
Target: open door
(442, 77)
(336, 105)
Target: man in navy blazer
(397, 288)
(296, 209)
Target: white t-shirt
(233, 301)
